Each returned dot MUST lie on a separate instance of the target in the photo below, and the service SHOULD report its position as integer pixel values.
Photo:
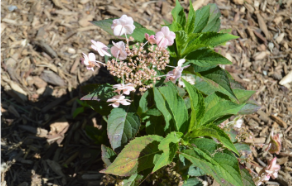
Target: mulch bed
(41, 75)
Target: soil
(41, 76)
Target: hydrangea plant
(172, 102)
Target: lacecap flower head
(123, 25)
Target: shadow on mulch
(44, 145)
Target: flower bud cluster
(140, 66)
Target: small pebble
(71, 51)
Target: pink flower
(117, 100)
(150, 39)
(89, 61)
(119, 50)
(270, 171)
(100, 48)
(176, 72)
(275, 143)
(273, 169)
(124, 25)
(125, 88)
(165, 37)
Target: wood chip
(279, 121)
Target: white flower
(176, 72)
(124, 25)
(89, 61)
(125, 88)
(119, 50)
(100, 48)
(117, 100)
(189, 78)
(238, 123)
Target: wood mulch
(41, 75)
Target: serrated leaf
(122, 127)
(197, 105)
(178, 14)
(190, 25)
(169, 146)
(176, 106)
(222, 166)
(215, 132)
(107, 155)
(214, 104)
(206, 58)
(218, 77)
(180, 39)
(246, 178)
(250, 107)
(243, 95)
(209, 39)
(137, 156)
(138, 34)
(161, 106)
(207, 19)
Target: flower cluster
(136, 66)
(266, 173)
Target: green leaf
(161, 106)
(137, 156)
(246, 178)
(190, 26)
(207, 19)
(122, 127)
(197, 105)
(244, 150)
(97, 97)
(222, 166)
(107, 155)
(192, 182)
(78, 111)
(143, 104)
(196, 171)
(202, 40)
(100, 92)
(214, 104)
(155, 125)
(218, 78)
(178, 14)
(180, 39)
(250, 107)
(169, 146)
(206, 57)
(138, 34)
(243, 95)
(215, 132)
(176, 106)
